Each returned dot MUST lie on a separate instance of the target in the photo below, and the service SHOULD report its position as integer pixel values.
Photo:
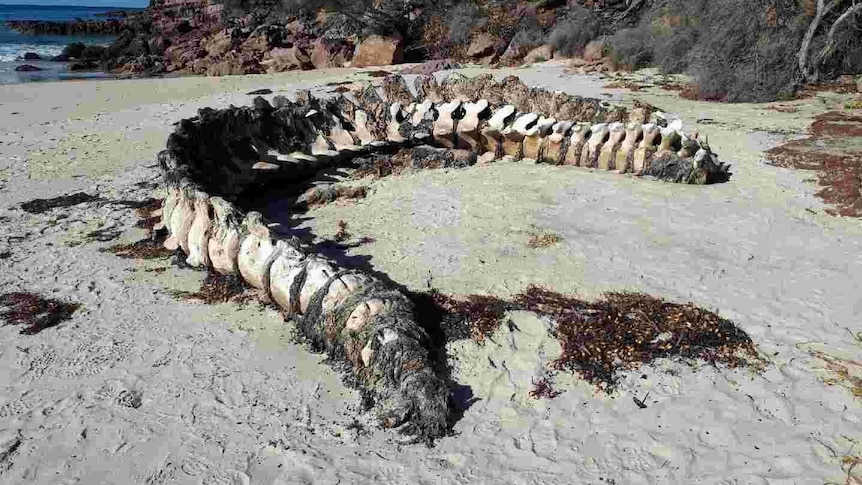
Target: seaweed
(218, 288)
(39, 206)
(34, 312)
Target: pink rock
(379, 51)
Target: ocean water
(13, 45)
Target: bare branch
(830, 38)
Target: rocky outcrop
(27, 68)
(379, 51)
(79, 27)
(286, 59)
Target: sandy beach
(141, 387)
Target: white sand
(227, 398)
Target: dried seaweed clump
(145, 212)
(624, 330)
(143, 249)
(474, 316)
(544, 388)
(544, 240)
(422, 157)
(34, 312)
(219, 288)
(322, 195)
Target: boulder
(93, 53)
(27, 68)
(514, 53)
(331, 53)
(379, 51)
(483, 45)
(256, 43)
(594, 50)
(83, 66)
(217, 45)
(74, 50)
(31, 56)
(231, 64)
(539, 54)
(286, 59)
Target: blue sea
(13, 45)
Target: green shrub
(632, 48)
(576, 27)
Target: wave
(14, 52)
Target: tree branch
(830, 38)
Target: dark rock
(74, 50)
(27, 68)
(93, 52)
(260, 91)
(32, 56)
(83, 66)
(60, 58)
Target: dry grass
(34, 312)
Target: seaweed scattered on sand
(422, 157)
(544, 389)
(603, 338)
(144, 249)
(103, 235)
(34, 312)
(218, 288)
(473, 316)
(544, 240)
(622, 331)
(834, 150)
